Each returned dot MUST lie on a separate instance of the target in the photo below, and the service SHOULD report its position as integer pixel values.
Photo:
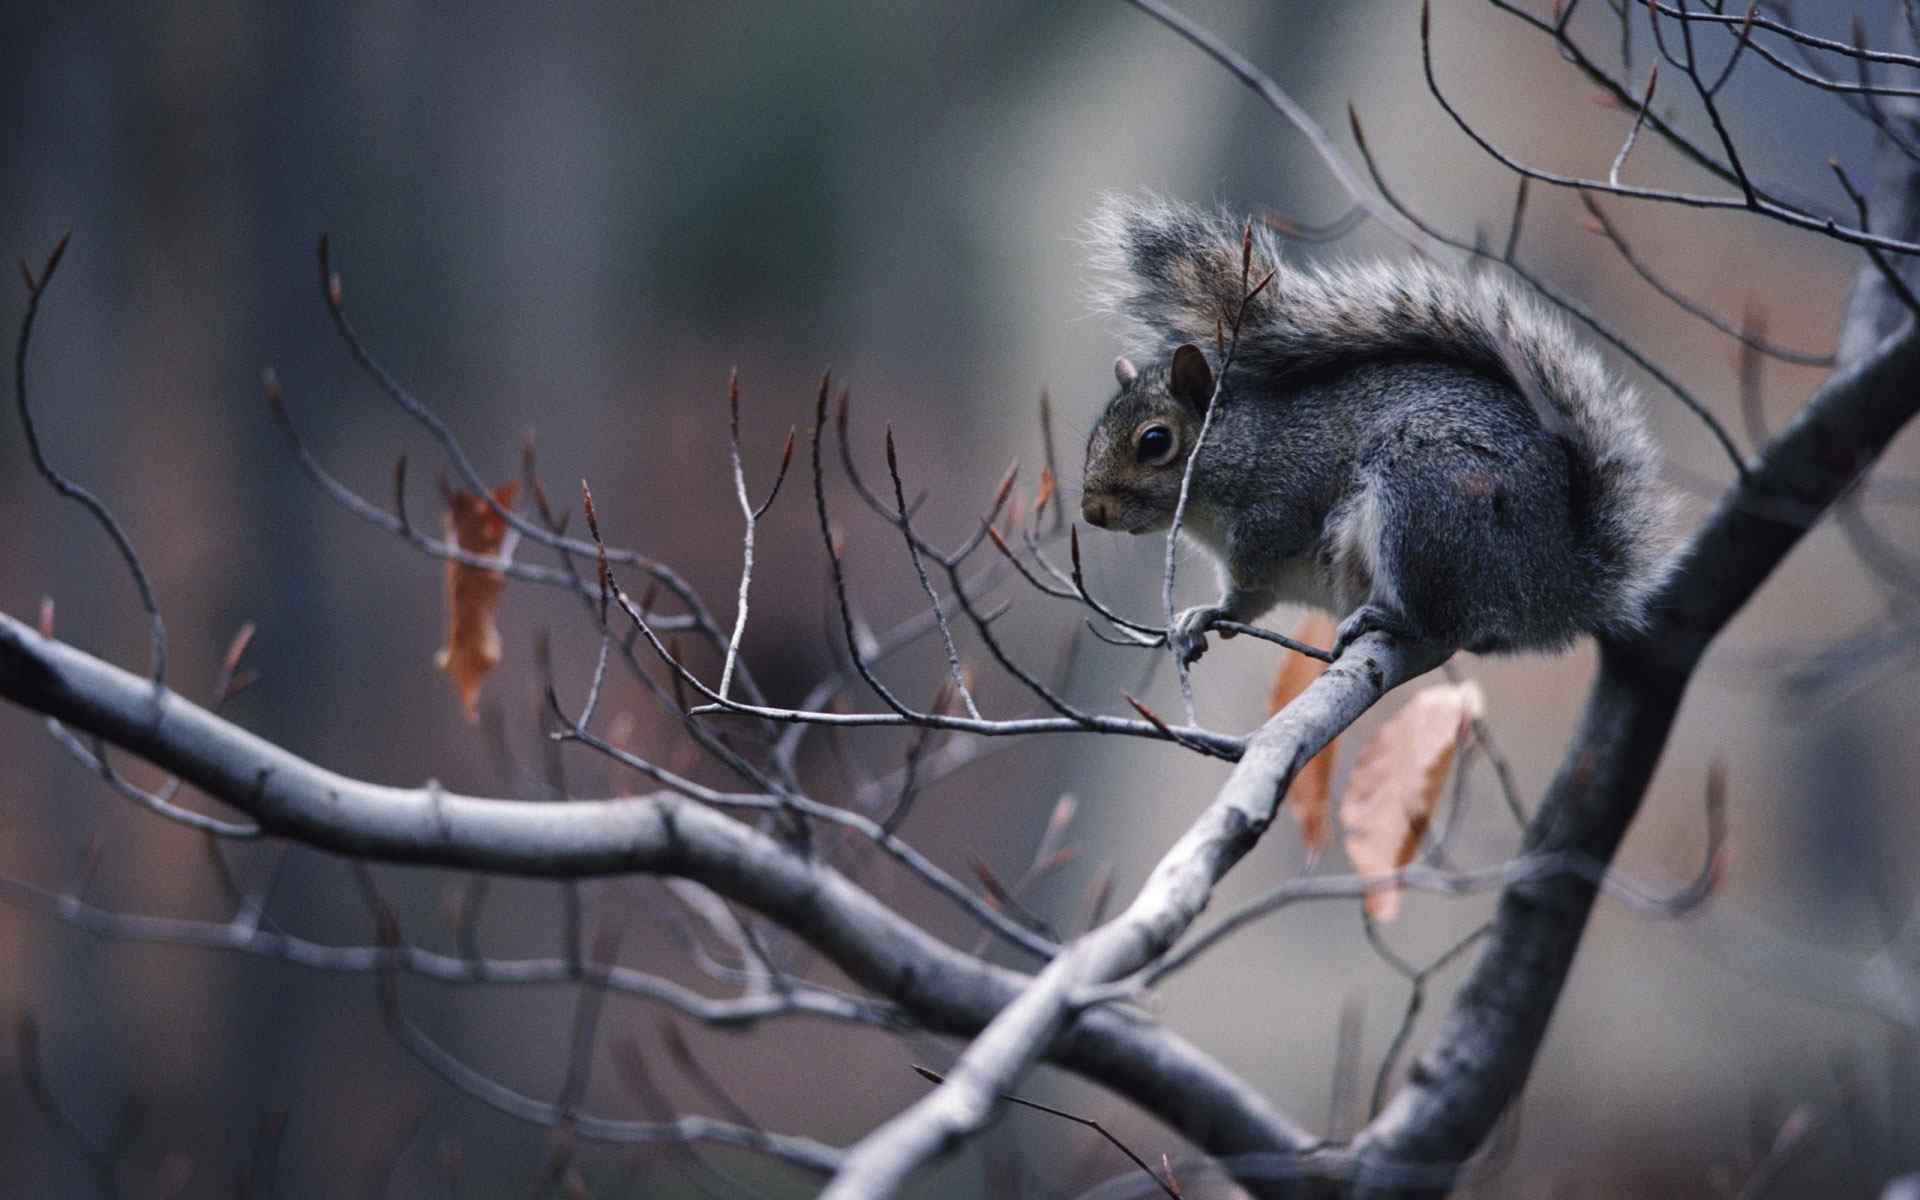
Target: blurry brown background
(578, 218)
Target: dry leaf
(1047, 486)
(1397, 781)
(1312, 789)
(473, 593)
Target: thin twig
(934, 1077)
(1751, 199)
(1740, 333)
(1416, 998)
(1567, 305)
(954, 671)
(37, 288)
(702, 619)
(1771, 25)
(1887, 271)
(1276, 98)
(801, 1152)
(1636, 897)
(1633, 133)
(1193, 457)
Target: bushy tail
(1172, 274)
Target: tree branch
(1173, 897)
(1484, 1050)
(943, 989)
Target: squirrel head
(1138, 449)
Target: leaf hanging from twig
(473, 593)
(1312, 790)
(1397, 781)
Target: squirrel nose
(1095, 511)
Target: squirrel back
(1173, 275)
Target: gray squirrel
(1417, 450)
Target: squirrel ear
(1125, 371)
(1191, 379)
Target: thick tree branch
(1483, 1052)
(940, 987)
(1174, 896)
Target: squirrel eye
(1154, 445)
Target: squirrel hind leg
(1471, 541)
(1483, 558)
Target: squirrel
(1417, 450)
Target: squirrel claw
(1188, 635)
(1368, 618)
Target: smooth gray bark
(948, 991)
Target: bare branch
(1276, 98)
(1887, 270)
(1568, 305)
(1172, 898)
(936, 1078)
(1179, 650)
(36, 290)
(1745, 335)
(1633, 133)
(1416, 997)
(1739, 49)
(1486, 1046)
(1705, 93)
(1422, 877)
(1618, 91)
(331, 292)
(1517, 223)
(802, 1152)
(939, 987)
(954, 671)
(159, 803)
(1752, 199)
(1769, 24)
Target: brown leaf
(1397, 781)
(1047, 486)
(473, 593)
(1312, 790)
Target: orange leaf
(1312, 790)
(1047, 486)
(473, 593)
(1397, 781)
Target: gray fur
(1410, 446)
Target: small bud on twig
(1152, 718)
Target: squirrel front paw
(1188, 635)
(1368, 618)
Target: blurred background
(578, 219)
